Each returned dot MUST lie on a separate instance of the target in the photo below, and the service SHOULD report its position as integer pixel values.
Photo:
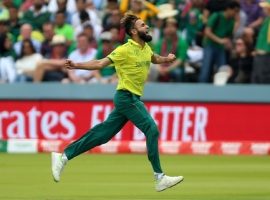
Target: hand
(69, 64)
(171, 57)
(224, 41)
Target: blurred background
(213, 100)
(215, 41)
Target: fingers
(68, 64)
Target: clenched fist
(69, 64)
(171, 57)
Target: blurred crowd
(215, 41)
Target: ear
(133, 31)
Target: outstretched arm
(90, 65)
(157, 59)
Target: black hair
(31, 45)
(84, 16)
(3, 38)
(88, 25)
(82, 35)
(128, 22)
(233, 5)
(84, 1)
(60, 12)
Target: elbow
(207, 32)
(100, 65)
(154, 62)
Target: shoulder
(68, 27)
(37, 56)
(74, 54)
(91, 52)
(214, 15)
(124, 46)
(121, 49)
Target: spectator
(241, 62)
(26, 5)
(255, 18)
(83, 53)
(48, 32)
(194, 23)
(16, 3)
(89, 32)
(26, 33)
(254, 13)
(36, 15)
(218, 32)
(62, 6)
(261, 69)
(4, 14)
(52, 69)
(85, 19)
(27, 62)
(214, 6)
(62, 28)
(109, 41)
(172, 43)
(140, 8)
(240, 24)
(3, 26)
(99, 4)
(7, 3)
(165, 11)
(156, 30)
(82, 5)
(112, 19)
(7, 69)
(14, 25)
(53, 7)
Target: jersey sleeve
(212, 20)
(118, 55)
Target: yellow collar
(135, 43)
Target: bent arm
(209, 33)
(157, 59)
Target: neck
(242, 55)
(226, 14)
(83, 51)
(139, 41)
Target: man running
(132, 62)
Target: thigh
(137, 113)
(115, 120)
(208, 56)
(220, 57)
(133, 109)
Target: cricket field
(129, 177)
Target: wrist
(76, 65)
(166, 59)
(220, 41)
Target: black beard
(145, 37)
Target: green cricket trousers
(128, 106)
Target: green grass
(129, 177)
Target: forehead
(139, 23)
